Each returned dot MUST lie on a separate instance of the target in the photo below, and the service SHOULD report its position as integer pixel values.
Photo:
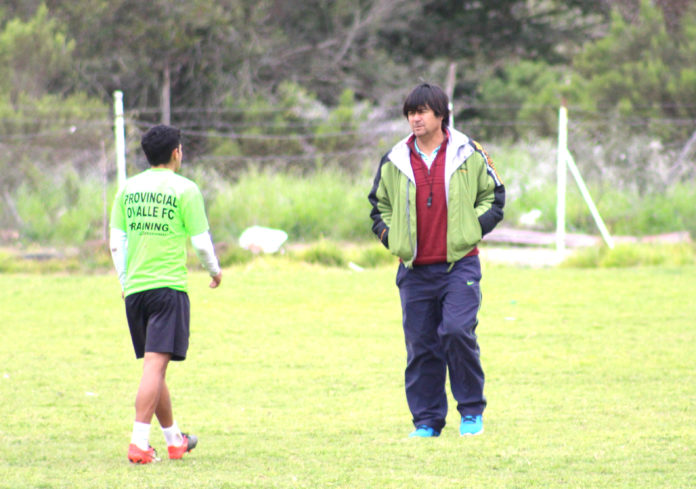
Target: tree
(331, 46)
(672, 11)
(35, 62)
(493, 31)
(642, 70)
(196, 53)
(35, 56)
(155, 51)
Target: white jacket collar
(459, 148)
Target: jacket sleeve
(381, 209)
(490, 198)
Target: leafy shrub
(61, 209)
(95, 256)
(633, 255)
(584, 258)
(373, 255)
(7, 262)
(323, 252)
(329, 204)
(14, 263)
(231, 254)
(526, 92)
(338, 132)
(67, 208)
(627, 207)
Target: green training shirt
(158, 209)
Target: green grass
(295, 380)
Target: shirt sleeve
(118, 215)
(195, 220)
(118, 244)
(203, 246)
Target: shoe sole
(179, 457)
(142, 457)
(190, 446)
(140, 461)
(471, 434)
(434, 435)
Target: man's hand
(216, 280)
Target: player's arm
(118, 245)
(203, 246)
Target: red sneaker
(138, 456)
(190, 442)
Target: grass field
(295, 380)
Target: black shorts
(159, 322)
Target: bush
(627, 208)
(7, 262)
(329, 204)
(322, 253)
(41, 263)
(633, 255)
(66, 207)
(373, 255)
(231, 254)
(61, 209)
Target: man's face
(424, 122)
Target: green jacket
(475, 198)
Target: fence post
(119, 133)
(588, 199)
(451, 75)
(561, 175)
(565, 161)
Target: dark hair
(159, 142)
(427, 95)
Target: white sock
(141, 435)
(173, 435)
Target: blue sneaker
(471, 425)
(424, 431)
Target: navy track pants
(440, 310)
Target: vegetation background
(287, 106)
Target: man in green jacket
(435, 195)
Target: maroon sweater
(431, 207)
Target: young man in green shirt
(153, 215)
